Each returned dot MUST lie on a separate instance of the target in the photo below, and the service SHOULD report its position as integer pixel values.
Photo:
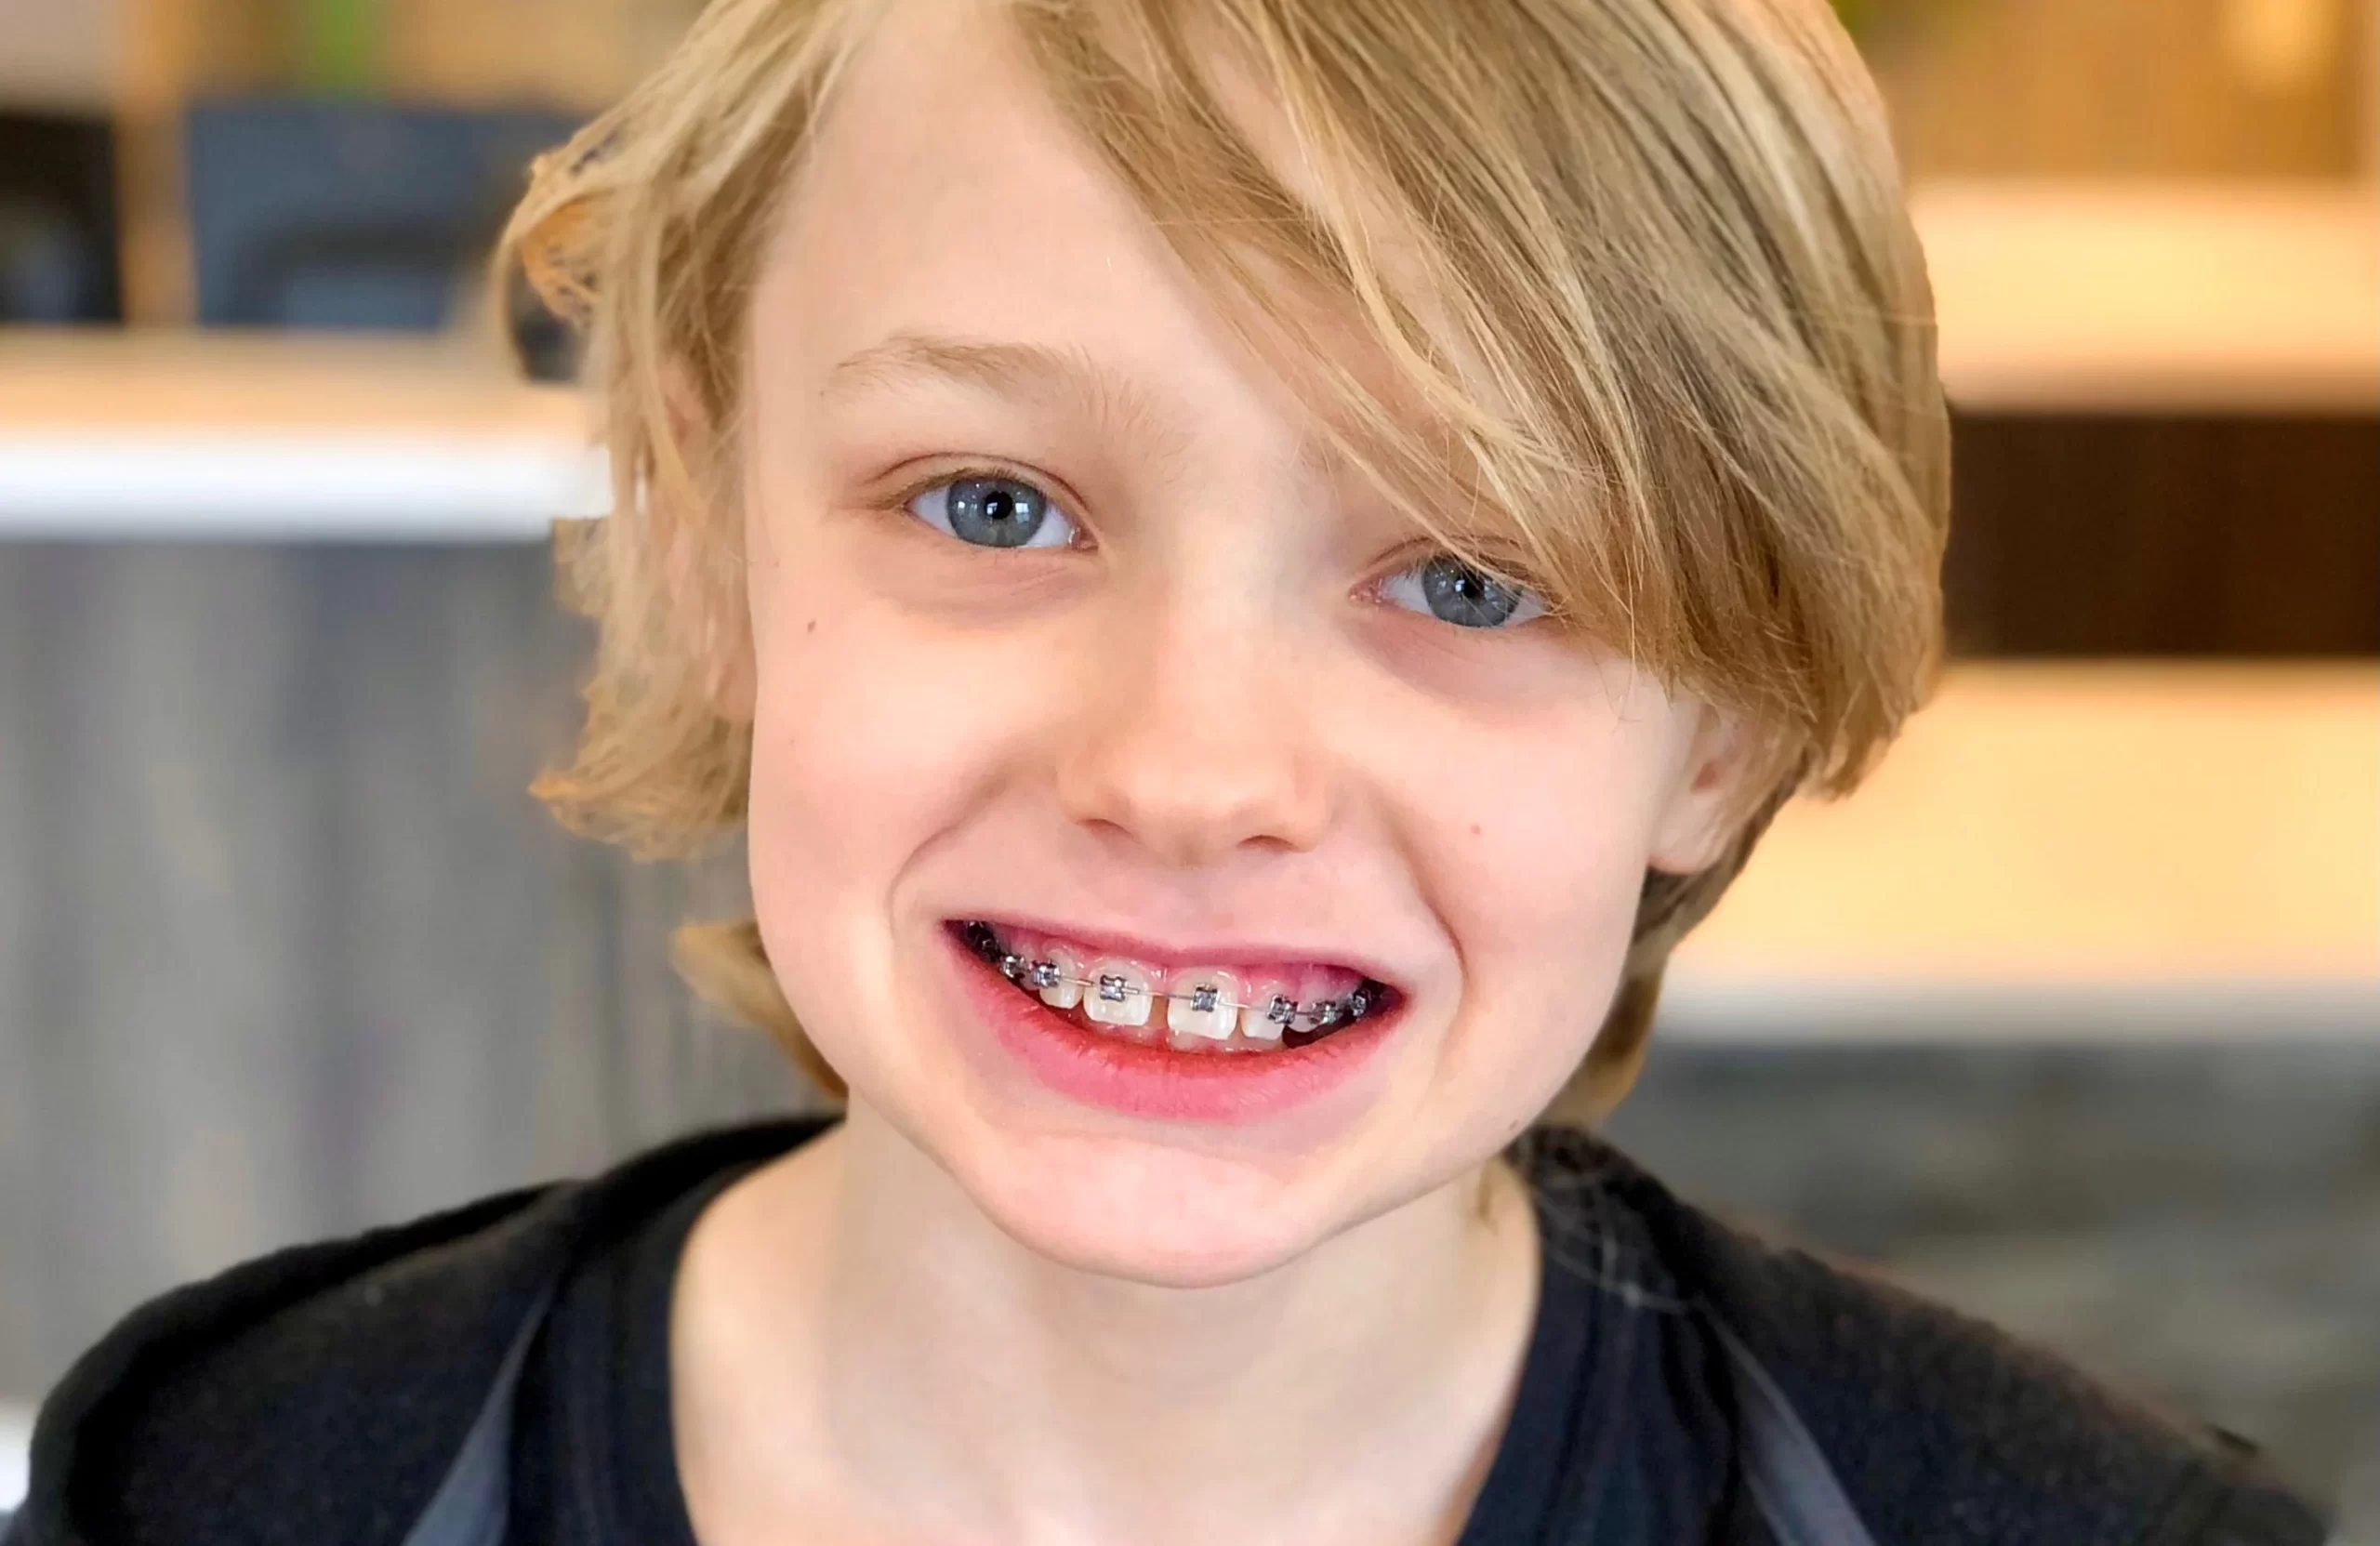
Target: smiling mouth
(1251, 1011)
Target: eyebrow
(1055, 375)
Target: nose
(1193, 742)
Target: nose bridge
(1191, 742)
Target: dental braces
(1367, 998)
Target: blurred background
(2072, 1017)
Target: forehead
(946, 200)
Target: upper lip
(1174, 955)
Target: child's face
(1157, 671)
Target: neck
(967, 1381)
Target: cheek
(1549, 866)
(870, 738)
(1535, 874)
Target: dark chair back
(350, 215)
(58, 220)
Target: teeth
(1201, 1016)
(1118, 994)
(1067, 992)
(1322, 987)
(1202, 1004)
(1256, 1022)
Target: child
(1247, 568)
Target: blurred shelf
(2155, 297)
(274, 437)
(2085, 299)
(2079, 849)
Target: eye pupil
(995, 512)
(1463, 595)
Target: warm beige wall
(2132, 87)
(1990, 88)
(56, 53)
(1979, 87)
(2056, 87)
(574, 52)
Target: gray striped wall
(285, 948)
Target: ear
(1697, 820)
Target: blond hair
(1678, 364)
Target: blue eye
(994, 512)
(1456, 592)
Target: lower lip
(1157, 1081)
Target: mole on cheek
(812, 626)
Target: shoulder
(267, 1403)
(318, 1394)
(1942, 1427)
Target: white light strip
(16, 1462)
(1821, 1012)
(86, 485)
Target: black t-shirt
(322, 1393)
(1620, 1431)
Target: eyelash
(907, 501)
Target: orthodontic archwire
(1365, 999)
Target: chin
(1144, 1211)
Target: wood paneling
(2096, 534)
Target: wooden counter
(2148, 298)
(2206, 838)
(236, 437)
